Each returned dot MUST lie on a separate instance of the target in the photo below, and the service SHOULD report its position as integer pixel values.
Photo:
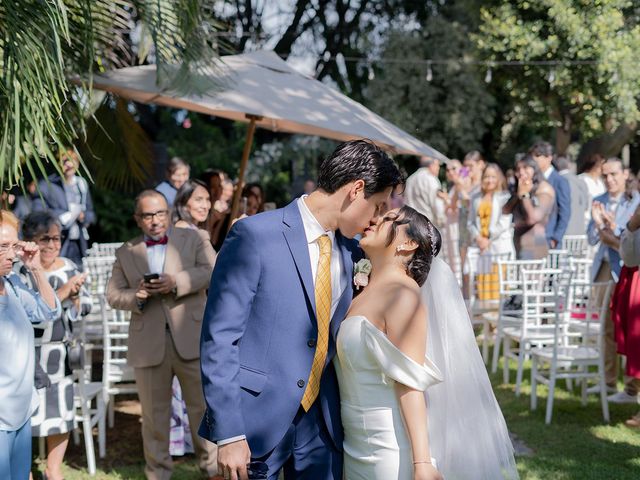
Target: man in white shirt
(421, 191)
(166, 314)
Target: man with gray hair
(421, 191)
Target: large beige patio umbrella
(265, 91)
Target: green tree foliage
(450, 108)
(591, 84)
(50, 49)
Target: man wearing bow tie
(166, 315)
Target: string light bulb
(489, 76)
(429, 75)
(372, 74)
(552, 77)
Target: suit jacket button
(311, 343)
(301, 383)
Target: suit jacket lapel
(172, 251)
(139, 253)
(298, 246)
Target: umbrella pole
(243, 165)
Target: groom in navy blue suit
(272, 316)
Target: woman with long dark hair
(531, 204)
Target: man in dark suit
(542, 152)
(270, 325)
(68, 198)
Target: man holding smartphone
(161, 277)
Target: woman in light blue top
(19, 308)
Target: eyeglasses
(45, 240)
(6, 247)
(148, 216)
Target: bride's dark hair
(425, 234)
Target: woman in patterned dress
(54, 418)
(190, 210)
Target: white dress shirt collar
(312, 228)
(548, 172)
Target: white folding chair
(479, 264)
(90, 412)
(541, 293)
(103, 249)
(510, 285)
(557, 259)
(566, 359)
(117, 377)
(576, 245)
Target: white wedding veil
(468, 436)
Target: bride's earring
(399, 248)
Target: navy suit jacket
(561, 214)
(259, 332)
(51, 197)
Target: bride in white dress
(383, 366)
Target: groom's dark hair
(359, 160)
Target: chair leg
(485, 340)
(534, 383)
(552, 389)
(42, 450)
(583, 386)
(506, 355)
(76, 437)
(496, 351)
(102, 427)
(603, 394)
(88, 444)
(111, 407)
(521, 355)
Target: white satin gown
(368, 364)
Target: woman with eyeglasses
(20, 307)
(54, 418)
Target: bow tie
(150, 242)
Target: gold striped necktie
(323, 316)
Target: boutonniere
(361, 271)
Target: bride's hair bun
(426, 235)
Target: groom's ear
(357, 187)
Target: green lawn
(576, 446)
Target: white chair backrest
(544, 294)
(103, 249)
(587, 306)
(483, 264)
(116, 333)
(576, 245)
(510, 274)
(581, 268)
(558, 259)
(99, 270)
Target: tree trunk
(609, 144)
(563, 138)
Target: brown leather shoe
(633, 422)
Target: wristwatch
(525, 195)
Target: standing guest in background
(451, 231)
(590, 171)
(580, 197)
(55, 416)
(20, 307)
(421, 191)
(192, 205)
(531, 204)
(625, 309)
(23, 204)
(469, 184)
(490, 229)
(542, 153)
(166, 313)
(190, 210)
(309, 186)
(224, 203)
(258, 191)
(177, 173)
(610, 213)
(68, 198)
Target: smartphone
(151, 276)
(464, 172)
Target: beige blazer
(190, 259)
